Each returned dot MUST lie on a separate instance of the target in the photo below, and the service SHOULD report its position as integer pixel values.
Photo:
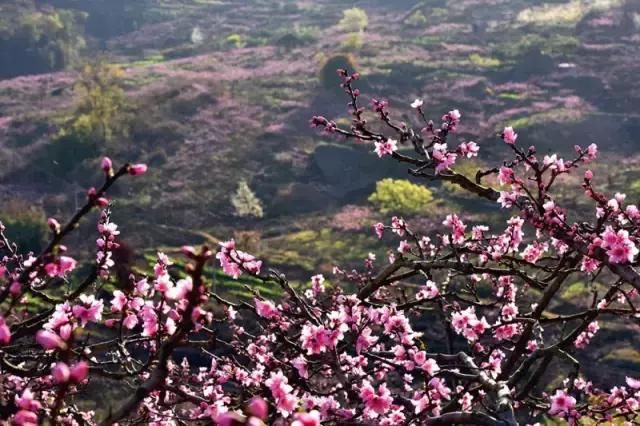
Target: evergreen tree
(245, 202)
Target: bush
(417, 19)
(354, 20)
(398, 195)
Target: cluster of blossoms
(458, 327)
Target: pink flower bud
(102, 202)
(137, 169)
(15, 289)
(60, 372)
(107, 165)
(54, 225)
(79, 372)
(588, 175)
(189, 251)
(258, 407)
(49, 340)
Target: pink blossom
(457, 228)
(508, 199)
(311, 418)
(386, 148)
(376, 401)
(509, 135)
(428, 291)
(379, 229)
(119, 301)
(365, 340)
(315, 339)
(562, 403)
(130, 321)
(89, 309)
(430, 367)
(632, 383)
(468, 149)
(404, 247)
(619, 246)
(443, 158)
(506, 176)
(5, 332)
(300, 364)
(266, 309)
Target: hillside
(216, 92)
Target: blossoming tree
(346, 353)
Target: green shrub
(235, 41)
(417, 19)
(354, 20)
(395, 195)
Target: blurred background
(216, 95)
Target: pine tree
(245, 202)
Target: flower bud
(54, 225)
(60, 373)
(107, 166)
(258, 407)
(79, 372)
(137, 169)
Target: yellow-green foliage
(235, 40)
(630, 355)
(245, 202)
(417, 19)
(354, 20)
(311, 249)
(352, 42)
(559, 115)
(574, 290)
(101, 102)
(53, 35)
(634, 188)
(399, 195)
(484, 61)
(563, 14)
